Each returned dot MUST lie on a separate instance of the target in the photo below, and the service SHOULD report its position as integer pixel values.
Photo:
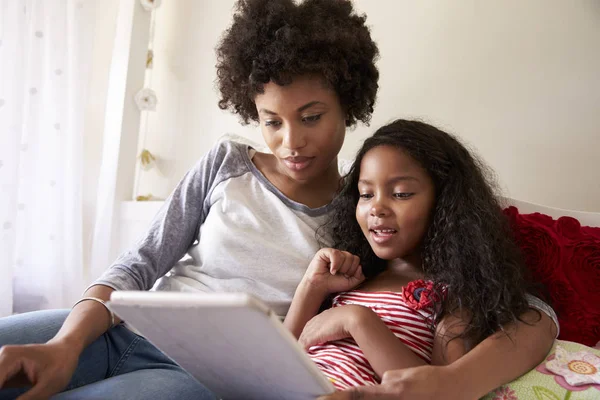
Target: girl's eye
(403, 195)
(312, 118)
(365, 196)
(272, 123)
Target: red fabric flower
(420, 294)
(565, 258)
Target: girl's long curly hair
(277, 40)
(468, 246)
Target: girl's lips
(297, 163)
(382, 236)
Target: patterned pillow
(565, 258)
(541, 384)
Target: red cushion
(564, 257)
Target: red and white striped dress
(344, 363)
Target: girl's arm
(494, 362)
(381, 347)
(330, 271)
(305, 305)
(383, 350)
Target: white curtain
(45, 60)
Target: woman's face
(395, 204)
(304, 126)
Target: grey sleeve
(539, 304)
(173, 229)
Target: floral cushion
(564, 257)
(542, 384)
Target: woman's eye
(365, 196)
(312, 118)
(272, 123)
(403, 195)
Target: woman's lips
(298, 163)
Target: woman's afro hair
(276, 40)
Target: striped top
(344, 363)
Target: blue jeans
(118, 365)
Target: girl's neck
(315, 193)
(397, 275)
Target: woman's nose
(293, 138)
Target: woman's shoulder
(226, 158)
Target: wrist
(310, 288)
(360, 317)
(71, 343)
(458, 379)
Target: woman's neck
(315, 193)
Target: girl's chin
(387, 255)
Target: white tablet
(232, 343)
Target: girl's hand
(333, 271)
(333, 324)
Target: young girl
(244, 220)
(444, 272)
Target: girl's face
(396, 202)
(304, 126)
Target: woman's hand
(48, 368)
(334, 271)
(423, 383)
(333, 324)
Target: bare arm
(380, 346)
(330, 271)
(525, 346)
(447, 346)
(48, 367)
(305, 305)
(87, 321)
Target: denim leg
(141, 372)
(144, 384)
(118, 365)
(41, 326)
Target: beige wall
(517, 80)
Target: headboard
(584, 218)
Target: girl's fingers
(346, 263)
(358, 274)
(353, 267)
(337, 259)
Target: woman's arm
(525, 346)
(48, 367)
(87, 321)
(447, 345)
